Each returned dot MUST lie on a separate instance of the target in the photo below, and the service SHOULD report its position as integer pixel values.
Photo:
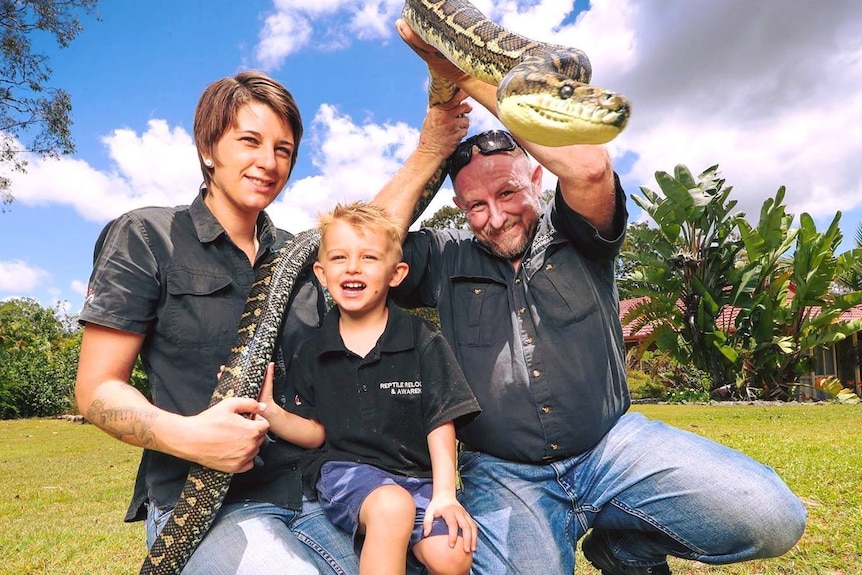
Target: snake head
(552, 106)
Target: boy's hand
(456, 517)
(266, 389)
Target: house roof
(726, 318)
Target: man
(528, 302)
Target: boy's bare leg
(441, 559)
(386, 517)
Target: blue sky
(770, 91)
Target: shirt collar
(398, 335)
(209, 229)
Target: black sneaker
(598, 553)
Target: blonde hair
(364, 216)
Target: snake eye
(566, 92)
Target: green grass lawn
(64, 489)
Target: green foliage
(637, 248)
(687, 396)
(427, 313)
(788, 307)
(704, 261)
(32, 114)
(658, 375)
(446, 218)
(684, 267)
(833, 387)
(139, 379)
(38, 360)
(643, 386)
(850, 276)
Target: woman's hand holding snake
(225, 437)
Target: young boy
(380, 391)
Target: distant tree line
(38, 359)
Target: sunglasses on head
(490, 142)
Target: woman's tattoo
(122, 423)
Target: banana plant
(789, 306)
(687, 269)
(744, 303)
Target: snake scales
(205, 489)
(543, 91)
(567, 111)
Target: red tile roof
(726, 318)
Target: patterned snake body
(543, 91)
(205, 489)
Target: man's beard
(514, 248)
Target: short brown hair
(218, 106)
(364, 216)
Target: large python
(543, 91)
(571, 112)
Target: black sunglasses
(490, 142)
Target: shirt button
(554, 447)
(477, 291)
(517, 280)
(523, 310)
(549, 267)
(546, 409)
(536, 373)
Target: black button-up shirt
(379, 409)
(542, 348)
(175, 275)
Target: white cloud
(17, 276)
(78, 287)
(710, 82)
(323, 24)
(158, 167)
(769, 91)
(354, 161)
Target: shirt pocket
(203, 309)
(482, 318)
(563, 290)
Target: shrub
(642, 386)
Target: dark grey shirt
(174, 275)
(542, 348)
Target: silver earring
(208, 163)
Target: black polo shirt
(542, 348)
(379, 409)
(174, 275)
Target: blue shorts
(343, 487)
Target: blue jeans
(648, 489)
(265, 539)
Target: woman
(170, 284)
